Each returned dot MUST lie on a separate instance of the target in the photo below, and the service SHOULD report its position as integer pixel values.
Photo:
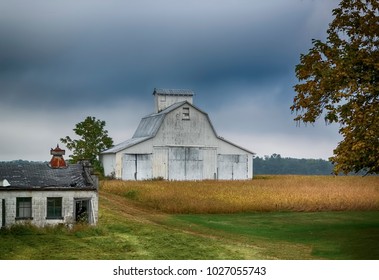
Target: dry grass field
(263, 193)
(272, 217)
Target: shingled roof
(39, 175)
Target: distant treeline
(275, 164)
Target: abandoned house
(47, 193)
(177, 142)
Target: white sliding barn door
(232, 167)
(137, 167)
(185, 163)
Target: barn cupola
(166, 97)
(57, 161)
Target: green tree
(339, 78)
(93, 139)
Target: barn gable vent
(57, 161)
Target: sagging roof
(183, 92)
(39, 175)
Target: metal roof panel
(163, 91)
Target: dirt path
(138, 214)
(129, 210)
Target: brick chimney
(57, 161)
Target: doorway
(3, 213)
(82, 210)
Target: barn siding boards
(176, 131)
(210, 163)
(137, 167)
(183, 145)
(166, 97)
(232, 167)
(109, 164)
(185, 163)
(160, 162)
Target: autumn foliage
(339, 78)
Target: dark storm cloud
(88, 56)
(92, 49)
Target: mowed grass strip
(264, 193)
(294, 235)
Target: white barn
(177, 142)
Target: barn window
(186, 113)
(24, 208)
(54, 208)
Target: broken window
(82, 210)
(24, 208)
(54, 208)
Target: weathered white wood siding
(137, 167)
(197, 131)
(185, 163)
(109, 164)
(233, 167)
(210, 163)
(160, 162)
(164, 101)
(185, 147)
(142, 148)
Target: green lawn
(321, 235)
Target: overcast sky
(61, 61)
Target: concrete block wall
(39, 206)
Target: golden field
(263, 193)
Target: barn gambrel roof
(147, 129)
(149, 126)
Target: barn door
(185, 163)
(129, 168)
(194, 166)
(160, 162)
(210, 163)
(144, 167)
(176, 163)
(232, 167)
(137, 167)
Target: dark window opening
(24, 208)
(82, 210)
(186, 113)
(54, 208)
